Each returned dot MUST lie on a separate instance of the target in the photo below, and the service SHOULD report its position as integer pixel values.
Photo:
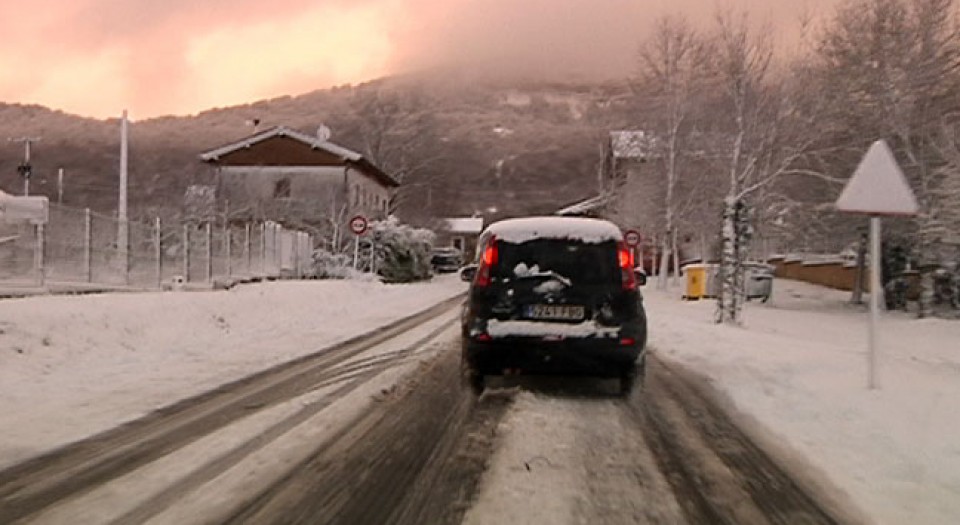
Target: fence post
(304, 250)
(310, 266)
(273, 248)
(247, 248)
(87, 244)
(229, 241)
(277, 252)
(186, 253)
(209, 231)
(263, 249)
(38, 255)
(297, 241)
(158, 247)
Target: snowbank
(798, 370)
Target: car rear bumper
(590, 357)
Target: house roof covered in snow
(342, 155)
(585, 207)
(464, 224)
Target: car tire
(628, 381)
(471, 379)
(632, 378)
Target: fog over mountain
(96, 57)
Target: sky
(95, 58)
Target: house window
(281, 189)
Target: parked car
(446, 260)
(553, 295)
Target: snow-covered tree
(673, 64)
(401, 252)
(891, 70)
(769, 131)
(741, 63)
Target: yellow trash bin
(696, 281)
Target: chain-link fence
(80, 247)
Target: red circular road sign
(358, 224)
(632, 237)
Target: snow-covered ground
(795, 375)
(72, 366)
(798, 371)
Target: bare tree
(398, 129)
(771, 133)
(742, 63)
(672, 68)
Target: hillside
(547, 136)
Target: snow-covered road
(73, 366)
(794, 376)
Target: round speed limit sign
(631, 237)
(358, 224)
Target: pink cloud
(149, 41)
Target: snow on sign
(358, 225)
(631, 237)
(878, 186)
(32, 209)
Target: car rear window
(581, 263)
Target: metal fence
(80, 247)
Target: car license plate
(556, 312)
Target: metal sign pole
(356, 250)
(875, 293)
(878, 187)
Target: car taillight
(490, 253)
(487, 262)
(627, 277)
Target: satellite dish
(323, 133)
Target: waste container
(696, 286)
(713, 281)
(759, 280)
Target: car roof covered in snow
(525, 229)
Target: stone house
(291, 177)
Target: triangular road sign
(878, 186)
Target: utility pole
(26, 169)
(123, 232)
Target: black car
(553, 295)
(446, 260)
